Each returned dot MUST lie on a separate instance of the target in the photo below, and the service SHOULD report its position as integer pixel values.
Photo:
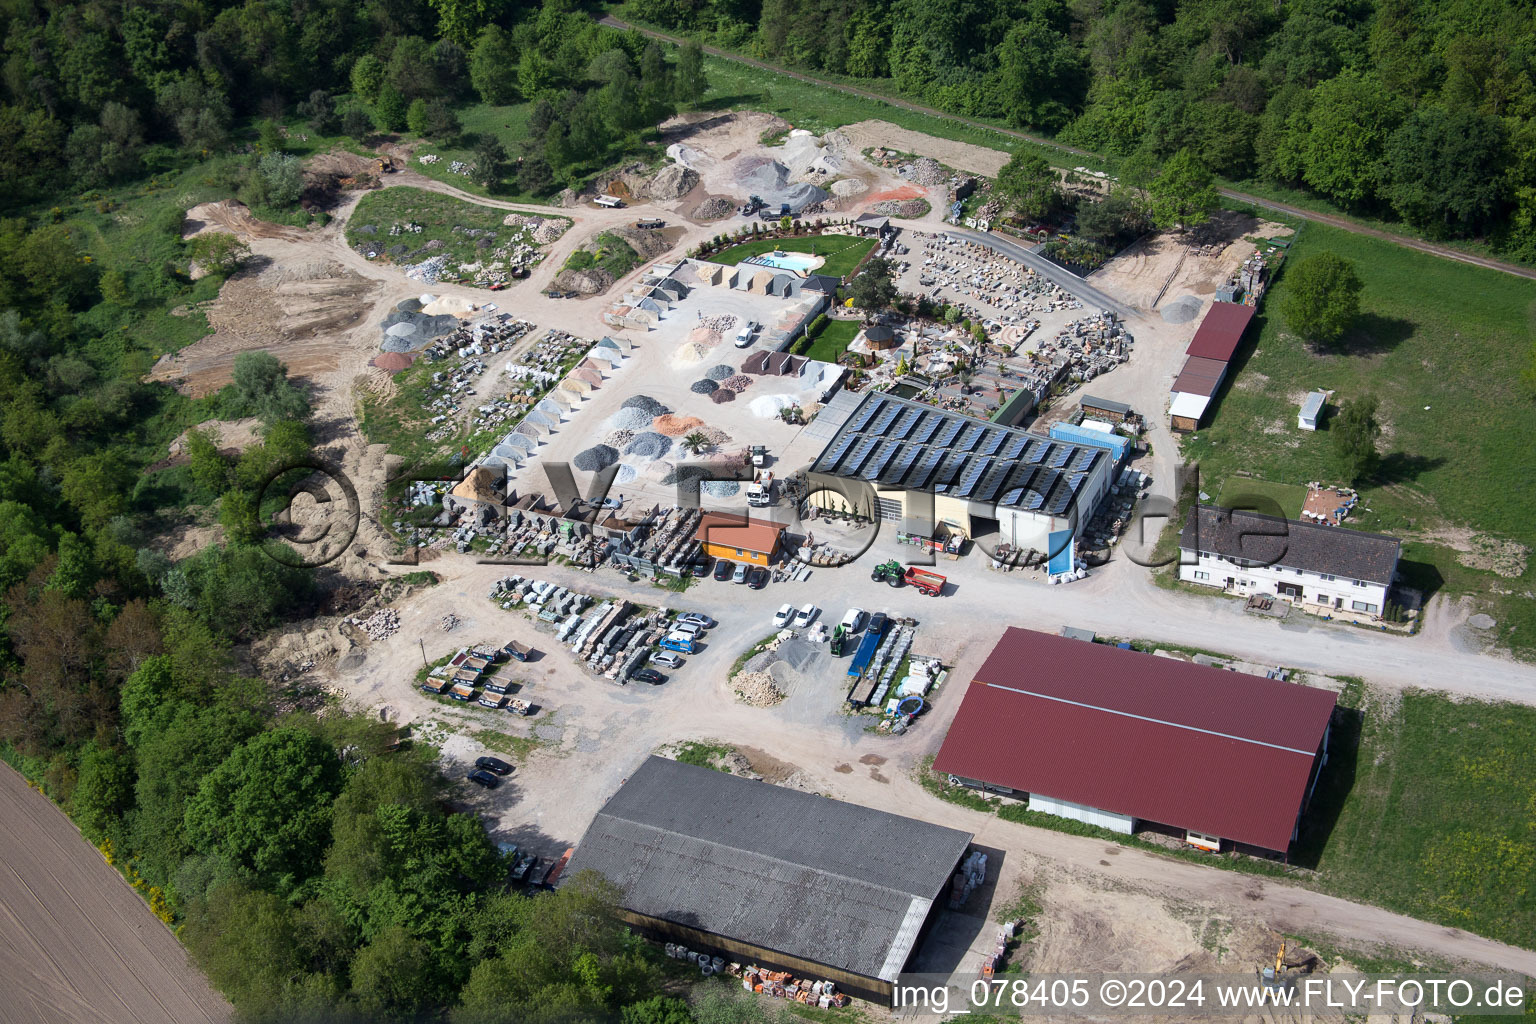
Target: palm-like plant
(695, 443)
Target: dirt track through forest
(78, 944)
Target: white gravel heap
(380, 625)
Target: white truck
(760, 490)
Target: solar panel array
(903, 444)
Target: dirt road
(597, 732)
(77, 943)
(1333, 220)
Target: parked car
(877, 623)
(852, 619)
(481, 777)
(493, 764)
(700, 568)
(649, 675)
(757, 579)
(723, 569)
(783, 615)
(804, 616)
(692, 629)
(524, 865)
(698, 619)
(667, 659)
(740, 575)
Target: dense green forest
(315, 870)
(1422, 110)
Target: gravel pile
(625, 474)
(688, 471)
(619, 438)
(722, 488)
(925, 170)
(714, 208)
(629, 419)
(758, 689)
(1182, 310)
(649, 445)
(703, 387)
(598, 457)
(450, 622)
(722, 395)
(848, 187)
(647, 403)
(380, 625)
(901, 208)
(739, 383)
(721, 372)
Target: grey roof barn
(834, 883)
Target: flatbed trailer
(863, 689)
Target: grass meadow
(1442, 346)
(842, 253)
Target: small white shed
(1311, 410)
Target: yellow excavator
(1276, 976)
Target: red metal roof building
(1209, 352)
(1113, 737)
(1220, 331)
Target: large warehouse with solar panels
(932, 472)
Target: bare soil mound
(234, 217)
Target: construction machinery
(1278, 975)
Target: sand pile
(676, 426)
(598, 457)
(848, 187)
(689, 353)
(704, 336)
(719, 372)
(394, 362)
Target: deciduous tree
(1182, 194)
(1028, 184)
(1322, 297)
(1354, 439)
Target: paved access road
(1333, 220)
(76, 942)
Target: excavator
(1279, 975)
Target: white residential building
(1323, 569)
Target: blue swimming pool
(799, 262)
